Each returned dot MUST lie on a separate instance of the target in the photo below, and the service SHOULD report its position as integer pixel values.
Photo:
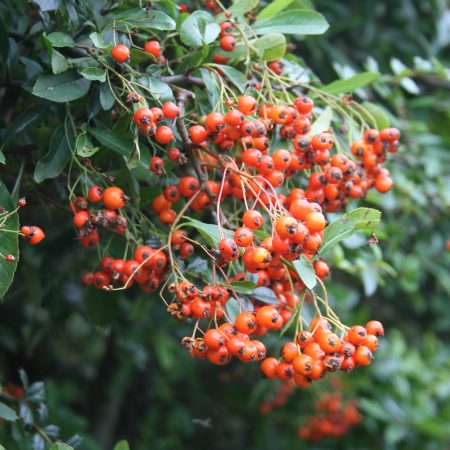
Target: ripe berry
(113, 198)
(186, 250)
(95, 194)
(228, 249)
(153, 47)
(120, 53)
(227, 43)
(10, 258)
(374, 327)
(164, 135)
(143, 116)
(243, 236)
(245, 323)
(253, 219)
(247, 105)
(198, 134)
(170, 110)
(286, 227)
(171, 193)
(268, 368)
(167, 216)
(173, 153)
(157, 165)
(188, 186)
(81, 218)
(22, 202)
(357, 334)
(214, 122)
(303, 364)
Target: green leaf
(8, 241)
(61, 88)
(305, 271)
(233, 309)
(265, 295)
(272, 46)
(4, 41)
(243, 286)
(212, 87)
(159, 88)
(98, 41)
(60, 446)
(58, 62)
(295, 21)
(122, 445)
(322, 123)
(209, 231)
(158, 20)
(58, 155)
(7, 413)
(23, 122)
(47, 5)
(345, 226)
(377, 117)
(235, 76)
(60, 40)
(352, 83)
(273, 8)
(121, 143)
(106, 97)
(239, 8)
(84, 146)
(198, 29)
(94, 74)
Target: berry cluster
(334, 418)
(147, 270)
(318, 351)
(87, 220)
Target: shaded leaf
(243, 286)
(121, 143)
(378, 118)
(58, 155)
(94, 74)
(265, 295)
(84, 146)
(122, 445)
(47, 5)
(322, 123)
(198, 29)
(209, 231)
(98, 41)
(273, 8)
(235, 76)
(58, 39)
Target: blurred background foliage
(112, 365)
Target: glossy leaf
(265, 295)
(345, 226)
(8, 242)
(305, 271)
(243, 286)
(271, 46)
(235, 76)
(239, 8)
(7, 413)
(273, 8)
(375, 115)
(61, 88)
(297, 21)
(322, 123)
(198, 29)
(351, 84)
(94, 74)
(210, 231)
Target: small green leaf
(58, 155)
(265, 295)
(212, 86)
(209, 231)
(345, 226)
(305, 271)
(377, 117)
(8, 241)
(352, 83)
(58, 62)
(118, 142)
(7, 413)
(122, 445)
(94, 74)
(243, 287)
(159, 88)
(296, 21)
(106, 97)
(233, 309)
(235, 76)
(98, 41)
(198, 29)
(60, 40)
(61, 88)
(158, 20)
(239, 8)
(322, 123)
(272, 46)
(60, 446)
(84, 146)
(273, 8)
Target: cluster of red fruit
(334, 418)
(148, 121)
(318, 351)
(87, 221)
(147, 270)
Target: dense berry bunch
(334, 418)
